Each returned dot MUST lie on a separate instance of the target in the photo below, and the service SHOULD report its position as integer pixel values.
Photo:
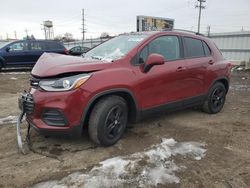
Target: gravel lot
(225, 137)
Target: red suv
(123, 80)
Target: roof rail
(188, 31)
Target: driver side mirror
(152, 60)
(7, 49)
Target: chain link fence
(90, 43)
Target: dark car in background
(25, 53)
(78, 50)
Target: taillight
(66, 51)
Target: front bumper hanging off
(26, 105)
(19, 136)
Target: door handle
(179, 69)
(211, 62)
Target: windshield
(115, 48)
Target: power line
(68, 18)
(200, 6)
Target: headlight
(64, 84)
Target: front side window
(115, 48)
(18, 46)
(167, 46)
(193, 47)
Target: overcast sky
(117, 16)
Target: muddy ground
(226, 135)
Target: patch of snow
(142, 169)
(8, 120)
(240, 87)
(13, 78)
(14, 73)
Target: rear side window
(206, 49)
(167, 46)
(37, 46)
(193, 47)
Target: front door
(17, 54)
(163, 83)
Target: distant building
(235, 46)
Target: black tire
(215, 99)
(108, 120)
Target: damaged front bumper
(26, 105)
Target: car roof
(36, 40)
(169, 32)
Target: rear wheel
(108, 120)
(216, 99)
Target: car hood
(52, 64)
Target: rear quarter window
(54, 46)
(207, 50)
(193, 48)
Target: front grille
(54, 117)
(28, 103)
(34, 82)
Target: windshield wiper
(96, 57)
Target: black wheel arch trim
(95, 98)
(2, 60)
(219, 79)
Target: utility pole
(208, 30)
(83, 28)
(26, 31)
(200, 6)
(15, 34)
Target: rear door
(37, 48)
(198, 58)
(17, 54)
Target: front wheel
(216, 99)
(108, 120)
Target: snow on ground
(142, 169)
(8, 120)
(14, 73)
(240, 87)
